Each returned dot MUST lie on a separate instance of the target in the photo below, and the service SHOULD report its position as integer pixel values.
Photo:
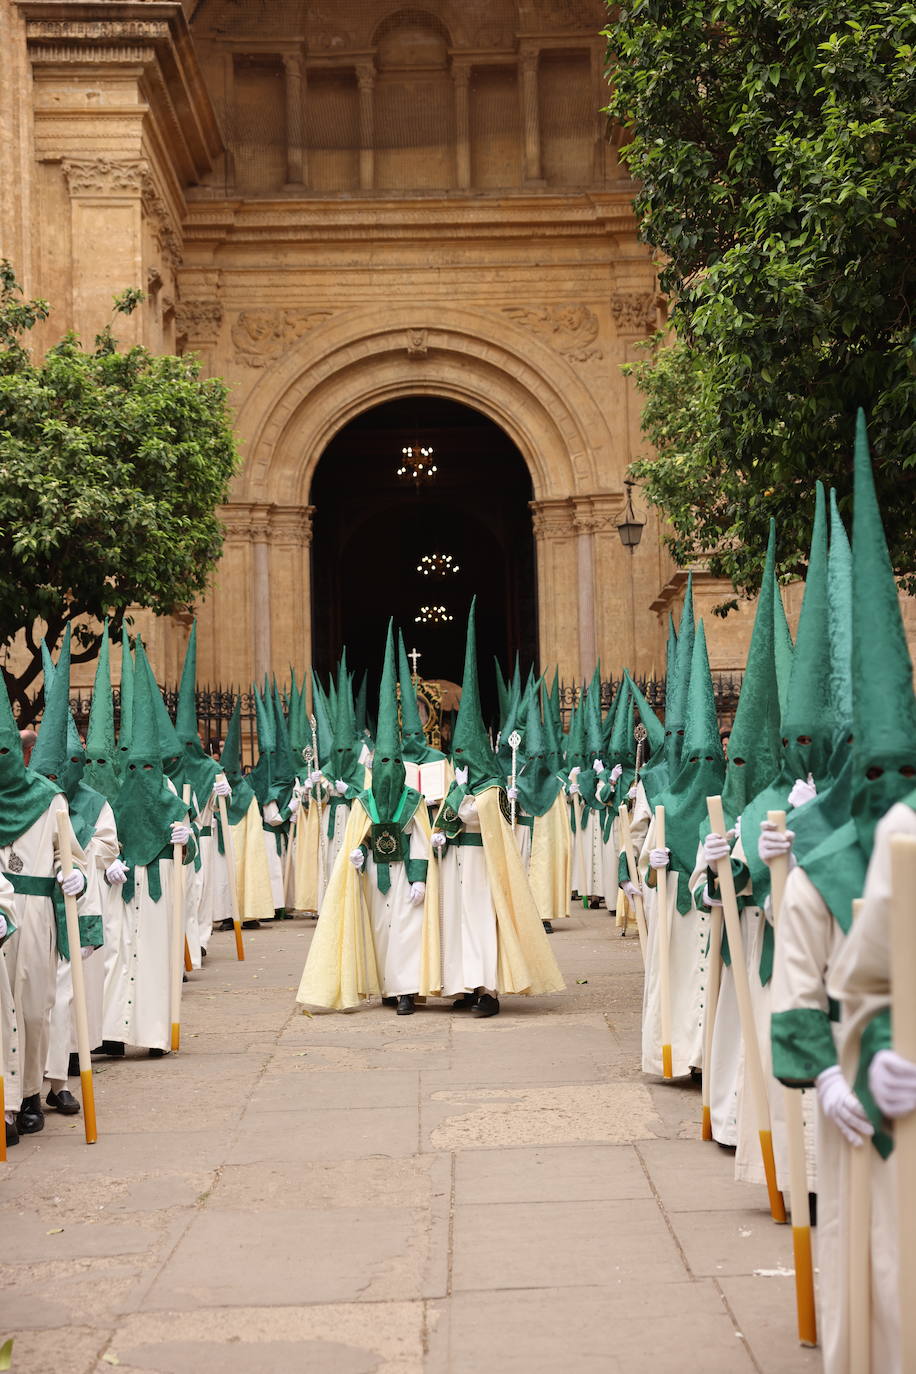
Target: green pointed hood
(502, 690)
(594, 735)
(388, 774)
(413, 737)
(575, 742)
(783, 649)
(754, 751)
(884, 705)
(515, 711)
(552, 731)
(470, 743)
(538, 783)
(145, 805)
(198, 768)
(59, 753)
(126, 701)
(344, 761)
(101, 751)
(840, 608)
(655, 731)
(622, 743)
(283, 764)
(230, 763)
(323, 721)
(260, 775)
(678, 688)
(24, 794)
(702, 770)
(807, 714)
(361, 716)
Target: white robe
(138, 990)
(31, 956)
(397, 926)
(467, 914)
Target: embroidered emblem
(14, 863)
(504, 806)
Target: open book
(430, 779)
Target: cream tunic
(468, 917)
(397, 925)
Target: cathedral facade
(339, 207)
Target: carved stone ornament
(198, 321)
(417, 343)
(104, 176)
(95, 30)
(260, 336)
(634, 312)
(570, 329)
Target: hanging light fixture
(437, 565)
(432, 615)
(417, 465)
(629, 527)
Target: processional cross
(413, 656)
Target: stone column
(601, 96)
(290, 587)
(229, 115)
(585, 575)
(558, 589)
(295, 151)
(106, 208)
(461, 75)
(531, 117)
(365, 75)
(260, 590)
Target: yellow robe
(549, 867)
(340, 971)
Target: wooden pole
(805, 1310)
(713, 981)
(178, 936)
(87, 1090)
(752, 1060)
(664, 949)
(903, 983)
(229, 846)
(188, 963)
(626, 841)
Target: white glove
(3, 925)
(598, 766)
(74, 884)
(631, 795)
(293, 805)
(802, 791)
(116, 872)
(439, 840)
(357, 858)
(773, 842)
(314, 777)
(716, 847)
(417, 893)
(272, 814)
(616, 771)
(461, 776)
(574, 789)
(630, 890)
(340, 787)
(221, 788)
(892, 1080)
(180, 833)
(512, 793)
(574, 771)
(86, 950)
(840, 1103)
(659, 858)
(710, 900)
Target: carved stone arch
(343, 368)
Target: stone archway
(488, 362)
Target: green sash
(30, 885)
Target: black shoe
(594, 903)
(73, 1065)
(405, 1005)
(113, 1048)
(156, 1054)
(31, 1118)
(225, 925)
(548, 926)
(203, 952)
(486, 1005)
(63, 1102)
(12, 1135)
(250, 925)
(465, 1002)
(389, 1001)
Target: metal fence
(726, 688)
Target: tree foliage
(112, 465)
(773, 141)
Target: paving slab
(732, 1242)
(689, 1177)
(350, 1133)
(558, 1173)
(764, 1307)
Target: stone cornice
(251, 523)
(376, 218)
(149, 34)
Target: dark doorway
(372, 528)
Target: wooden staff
(515, 740)
(188, 962)
(229, 846)
(752, 1060)
(87, 1090)
(713, 982)
(178, 935)
(903, 1002)
(795, 1132)
(664, 949)
(626, 842)
(858, 1246)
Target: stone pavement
(368, 1194)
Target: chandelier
(437, 565)
(432, 615)
(417, 464)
